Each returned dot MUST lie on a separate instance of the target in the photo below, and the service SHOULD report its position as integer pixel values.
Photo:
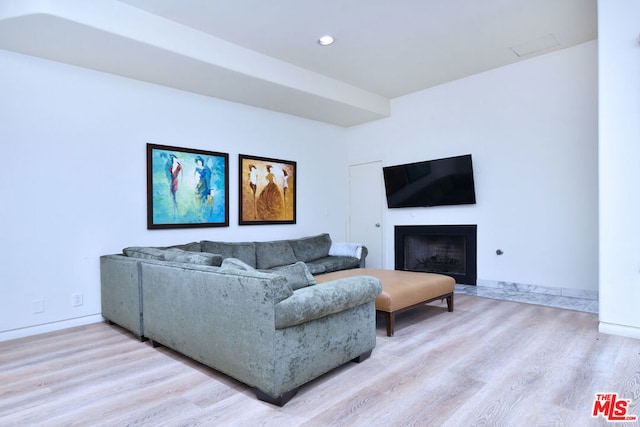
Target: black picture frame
(186, 187)
(267, 190)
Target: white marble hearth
(570, 299)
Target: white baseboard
(621, 330)
(49, 327)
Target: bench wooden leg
(389, 320)
(450, 302)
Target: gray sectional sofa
(251, 310)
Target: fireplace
(446, 249)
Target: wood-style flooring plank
(489, 362)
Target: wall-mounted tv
(438, 182)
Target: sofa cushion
(315, 268)
(335, 263)
(244, 251)
(144, 252)
(201, 258)
(311, 248)
(234, 264)
(297, 275)
(273, 254)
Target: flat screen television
(438, 182)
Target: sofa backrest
(314, 250)
(271, 254)
(311, 248)
(244, 251)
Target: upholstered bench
(401, 290)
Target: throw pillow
(234, 264)
(345, 249)
(144, 252)
(297, 275)
(202, 258)
(191, 247)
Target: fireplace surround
(445, 249)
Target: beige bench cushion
(400, 289)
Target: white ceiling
(265, 53)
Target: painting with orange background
(267, 191)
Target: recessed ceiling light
(325, 40)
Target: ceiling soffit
(113, 37)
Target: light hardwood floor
(488, 363)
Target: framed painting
(186, 188)
(267, 191)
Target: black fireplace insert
(444, 249)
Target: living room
(553, 140)
(531, 128)
(550, 192)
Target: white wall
(619, 115)
(73, 178)
(531, 128)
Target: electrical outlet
(37, 306)
(77, 300)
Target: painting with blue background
(188, 188)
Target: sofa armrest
(314, 302)
(121, 292)
(363, 256)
